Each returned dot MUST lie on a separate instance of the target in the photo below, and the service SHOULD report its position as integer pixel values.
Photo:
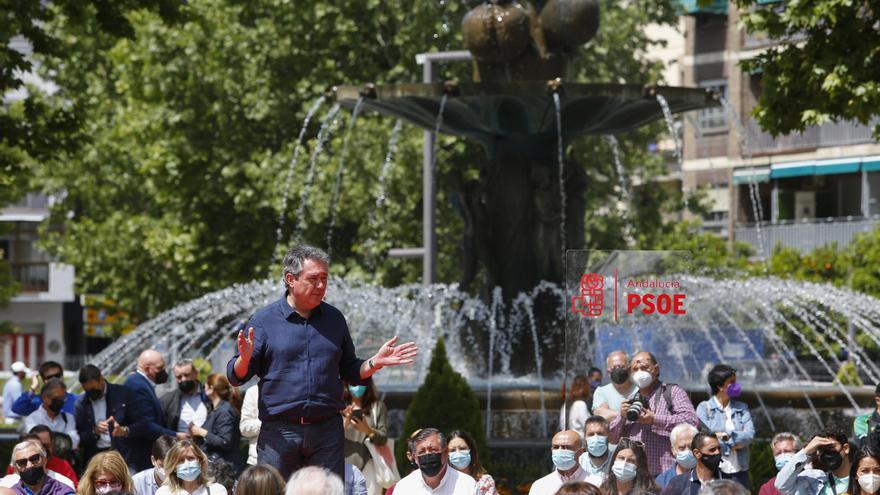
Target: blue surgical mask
(624, 471)
(686, 459)
(460, 459)
(188, 471)
(563, 459)
(782, 460)
(595, 384)
(357, 390)
(597, 445)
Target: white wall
(34, 315)
(671, 54)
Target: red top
(58, 465)
(768, 488)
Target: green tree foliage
(828, 69)
(184, 122)
(444, 401)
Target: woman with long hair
(864, 475)
(365, 419)
(106, 472)
(185, 472)
(464, 457)
(629, 473)
(220, 435)
(261, 479)
(580, 395)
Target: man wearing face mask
(680, 439)
(565, 449)
(731, 421)
(145, 418)
(51, 414)
(784, 446)
(148, 481)
(660, 407)
(595, 460)
(429, 452)
(100, 414)
(30, 401)
(187, 404)
(608, 398)
(29, 463)
(707, 450)
(829, 456)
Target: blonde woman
(106, 472)
(185, 468)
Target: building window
(713, 119)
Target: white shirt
(11, 391)
(11, 480)
(607, 394)
(250, 421)
(550, 484)
(452, 483)
(730, 462)
(192, 410)
(144, 482)
(99, 407)
(576, 419)
(63, 423)
(211, 489)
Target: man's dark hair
(52, 385)
(594, 370)
(161, 446)
(421, 435)
(29, 436)
(877, 390)
(88, 373)
(48, 366)
(40, 429)
(700, 439)
(596, 420)
(719, 374)
(834, 434)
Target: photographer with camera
(829, 456)
(651, 412)
(731, 421)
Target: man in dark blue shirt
(301, 349)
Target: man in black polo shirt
(301, 349)
(707, 450)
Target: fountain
(526, 207)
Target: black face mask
(32, 476)
(711, 461)
(95, 393)
(56, 405)
(619, 375)
(161, 377)
(187, 386)
(828, 460)
(430, 464)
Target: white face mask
(624, 471)
(642, 378)
(870, 483)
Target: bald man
(565, 449)
(146, 421)
(608, 398)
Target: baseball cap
(18, 367)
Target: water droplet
(499, 18)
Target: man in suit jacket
(187, 404)
(145, 419)
(100, 414)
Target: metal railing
(830, 134)
(32, 275)
(806, 235)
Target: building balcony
(805, 235)
(830, 134)
(43, 281)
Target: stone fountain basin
(491, 110)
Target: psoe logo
(591, 300)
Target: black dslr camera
(637, 403)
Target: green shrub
(444, 401)
(762, 466)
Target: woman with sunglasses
(629, 473)
(106, 472)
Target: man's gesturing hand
(393, 355)
(246, 344)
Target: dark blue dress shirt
(301, 362)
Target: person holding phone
(365, 418)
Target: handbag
(384, 463)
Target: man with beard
(829, 456)
(433, 476)
(29, 463)
(707, 450)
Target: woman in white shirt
(185, 468)
(580, 396)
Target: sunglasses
(34, 459)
